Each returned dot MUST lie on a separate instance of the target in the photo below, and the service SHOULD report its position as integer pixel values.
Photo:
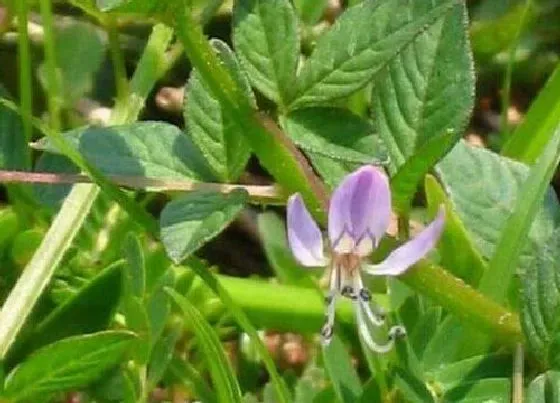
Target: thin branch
(269, 194)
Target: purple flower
(359, 215)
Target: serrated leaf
(217, 135)
(483, 187)
(152, 149)
(427, 90)
(67, 364)
(541, 300)
(335, 133)
(220, 368)
(187, 223)
(344, 378)
(76, 43)
(545, 388)
(265, 35)
(362, 41)
(456, 248)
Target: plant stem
(54, 94)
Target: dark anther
(365, 295)
(348, 292)
(397, 332)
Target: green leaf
(411, 388)
(272, 231)
(13, 146)
(344, 378)
(89, 310)
(544, 388)
(152, 149)
(427, 90)
(495, 281)
(495, 390)
(541, 301)
(483, 187)
(76, 43)
(310, 11)
(218, 136)
(189, 376)
(67, 364)
(335, 133)
(134, 270)
(471, 370)
(533, 134)
(192, 220)
(362, 41)
(162, 354)
(265, 35)
(456, 249)
(220, 369)
(52, 195)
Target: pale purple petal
(411, 252)
(361, 205)
(304, 236)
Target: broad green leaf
(335, 133)
(152, 149)
(265, 35)
(427, 90)
(363, 41)
(272, 230)
(52, 195)
(495, 281)
(217, 135)
(310, 11)
(545, 388)
(495, 390)
(532, 135)
(75, 44)
(13, 146)
(471, 370)
(541, 301)
(192, 220)
(344, 378)
(456, 248)
(220, 368)
(67, 364)
(89, 310)
(483, 187)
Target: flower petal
(304, 236)
(411, 252)
(360, 205)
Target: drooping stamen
(364, 298)
(328, 328)
(366, 335)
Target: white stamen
(366, 336)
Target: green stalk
(117, 59)
(24, 66)
(54, 93)
(73, 212)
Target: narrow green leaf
(541, 301)
(342, 374)
(495, 282)
(456, 248)
(89, 310)
(362, 41)
(222, 374)
(427, 90)
(189, 376)
(411, 388)
(67, 364)
(483, 187)
(192, 220)
(135, 269)
(162, 354)
(151, 149)
(265, 35)
(218, 136)
(75, 43)
(533, 134)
